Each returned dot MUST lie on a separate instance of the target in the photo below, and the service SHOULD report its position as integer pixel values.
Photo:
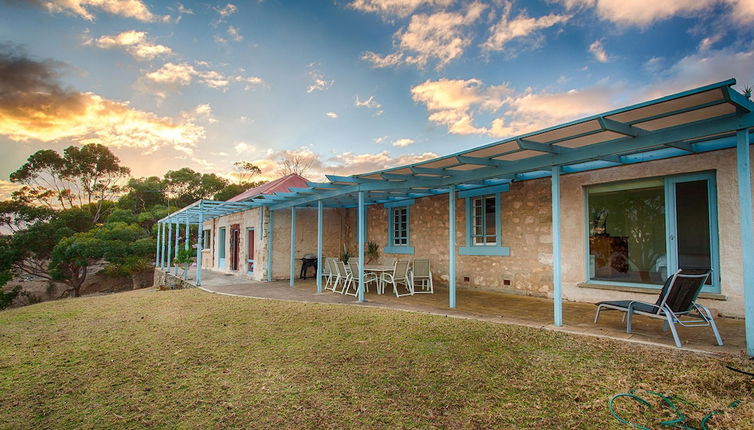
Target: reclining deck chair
(677, 299)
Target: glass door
(221, 248)
(692, 222)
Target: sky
(353, 85)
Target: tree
(233, 190)
(142, 194)
(81, 176)
(125, 247)
(16, 216)
(29, 251)
(245, 170)
(298, 163)
(185, 186)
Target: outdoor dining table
(379, 269)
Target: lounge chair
(677, 299)
(399, 276)
(421, 275)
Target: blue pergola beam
(620, 128)
(557, 291)
(319, 246)
(747, 233)
(541, 147)
(293, 246)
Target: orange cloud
(126, 8)
(34, 106)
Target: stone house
(603, 208)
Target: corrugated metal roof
(279, 185)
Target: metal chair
(399, 276)
(353, 280)
(676, 305)
(327, 272)
(344, 277)
(422, 275)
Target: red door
(235, 239)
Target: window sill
(643, 290)
(398, 250)
(502, 251)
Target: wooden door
(235, 239)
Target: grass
(187, 359)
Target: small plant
(373, 252)
(747, 91)
(185, 256)
(346, 255)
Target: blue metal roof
(699, 120)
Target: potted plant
(373, 252)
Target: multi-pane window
(207, 239)
(400, 226)
(483, 225)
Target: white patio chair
(353, 280)
(343, 277)
(399, 276)
(328, 273)
(337, 277)
(421, 275)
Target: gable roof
(279, 185)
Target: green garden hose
(677, 422)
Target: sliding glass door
(642, 231)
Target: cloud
(227, 10)
(380, 139)
(183, 74)
(400, 143)
(7, 188)
(520, 27)
(331, 115)
(234, 34)
(598, 51)
(369, 103)
(204, 111)
(399, 8)
(642, 13)
(441, 37)
(34, 106)
(126, 8)
(319, 83)
(345, 163)
(243, 147)
(135, 43)
(452, 102)
(456, 104)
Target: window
(206, 239)
(483, 223)
(483, 226)
(640, 232)
(400, 226)
(398, 241)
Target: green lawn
(191, 359)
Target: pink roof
(279, 185)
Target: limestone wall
(526, 223)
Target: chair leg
(597, 315)
(675, 333)
(712, 324)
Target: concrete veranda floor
(496, 307)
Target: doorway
(235, 241)
(221, 248)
